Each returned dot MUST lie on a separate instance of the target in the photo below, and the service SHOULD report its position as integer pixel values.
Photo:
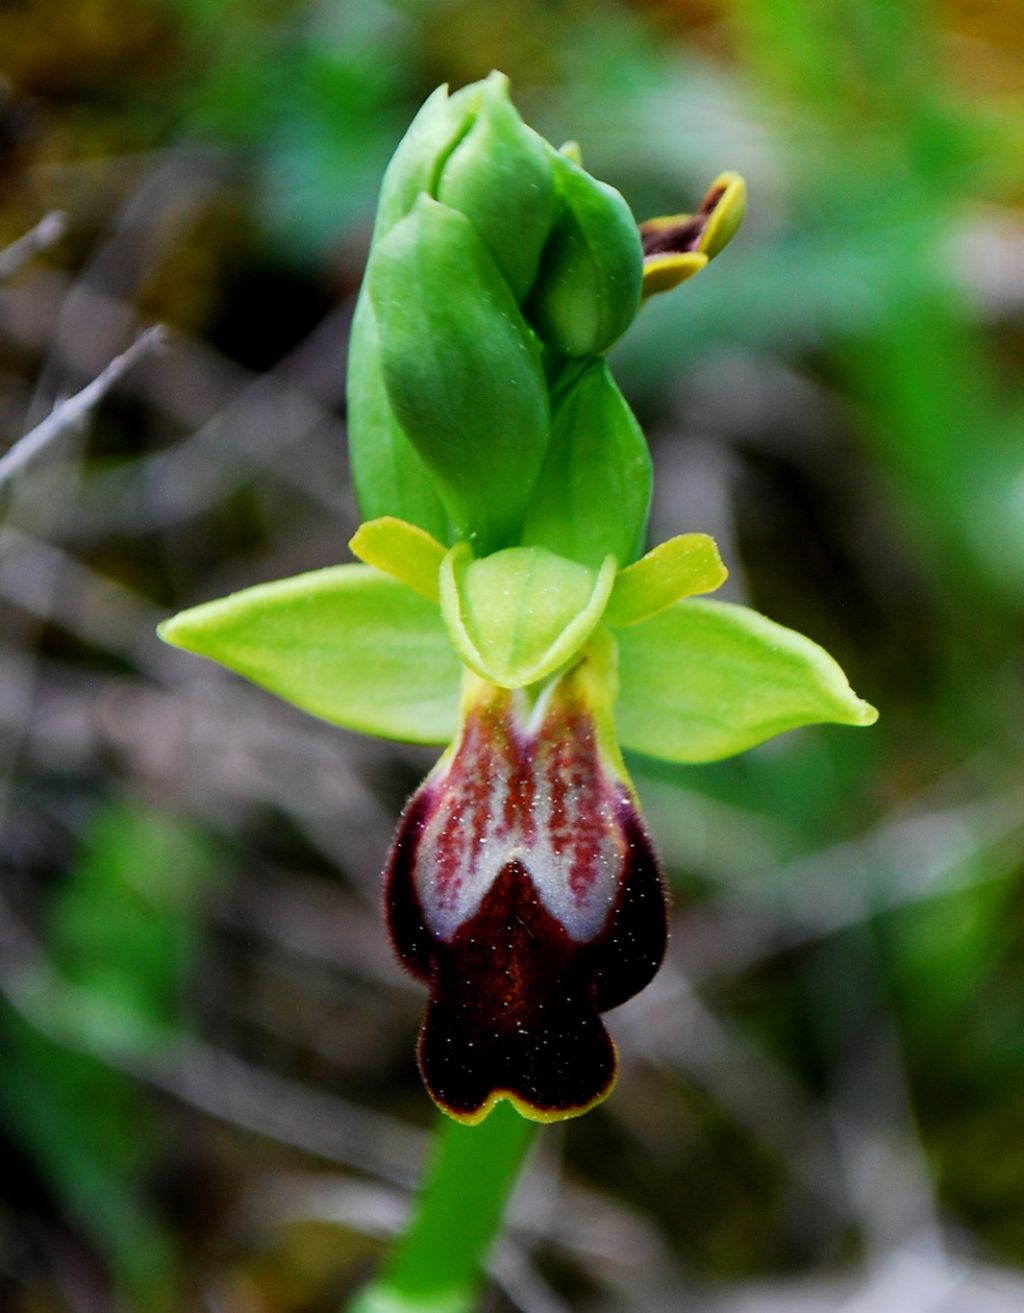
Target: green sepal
(403, 551)
(587, 292)
(518, 615)
(387, 473)
(677, 568)
(594, 489)
(416, 165)
(347, 644)
(705, 680)
(462, 370)
(499, 176)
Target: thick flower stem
(437, 1264)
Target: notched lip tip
(527, 1110)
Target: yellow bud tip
(677, 246)
(663, 272)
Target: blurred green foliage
(120, 940)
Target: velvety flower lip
(523, 889)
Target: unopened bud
(462, 371)
(588, 290)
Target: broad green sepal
(681, 567)
(499, 176)
(588, 289)
(347, 644)
(594, 488)
(462, 370)
(705, 680)
(388, 475)
(401, 550)
(517, 616)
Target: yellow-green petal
(402, 550)
(680, 567)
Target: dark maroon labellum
(523, 889)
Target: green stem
(437, 1265)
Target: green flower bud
(462, 370)
(416, 165)
(473, 152)
(499, 176)
(594, 488)
(388, 475)
(588, 290)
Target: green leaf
(347, 644)
(388, 475)
(588, 290)
(518, 615)
(704, 680)
(462, 369)
(677, 568)
(499, 176)
(594, 488)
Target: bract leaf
(346, 643)
(704, 680)
(388, 474)
(461, 368)
(677, 568)
(401, 550)
(594, 488)
(518, 615)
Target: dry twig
(72, 412)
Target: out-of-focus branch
(72, 412)
(47, 232)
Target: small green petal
(402, 550)
(705, 680)
(681, 567)
(347, 644)
(518, 615)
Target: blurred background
(208, 1099)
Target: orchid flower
(502, 607)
